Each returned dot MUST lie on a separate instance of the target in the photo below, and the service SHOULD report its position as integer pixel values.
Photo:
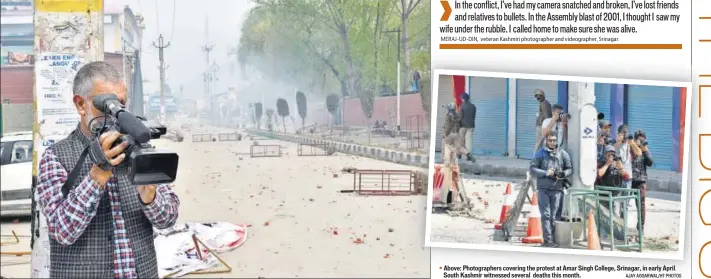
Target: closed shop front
(603, 98)
(527, 110)
(650, 108)
(445, 95)
(490, 97)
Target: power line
(157, 17)
(172, 25)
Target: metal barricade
(320, 149)
(256, 151)
(602, 201)
(202, 137)
(229, 137)
(384, 182)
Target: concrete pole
(58, 49)
(579, 95)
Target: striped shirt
(68, 217)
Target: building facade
(507, 111)
(122, 41)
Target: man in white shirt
(557, 124)
(627, 149)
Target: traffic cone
(438, 181)
(534, 233)
(593, 238)
(508, 204)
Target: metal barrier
(202, 137)
(384, 182)
(602, 201)
(265, 151)
(508, 227)
(229, 137)
(320, 149)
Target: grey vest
(92, 255)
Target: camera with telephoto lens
(146, 165)
(617, 158)
(563, 116)
(630, 136)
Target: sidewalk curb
(653, 184)
(419, 160)
(394, 156)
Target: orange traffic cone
(508, 204)
(534, 233)
(593, 238)
(438, 182)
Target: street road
(293, 206)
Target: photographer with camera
(551, 166)
(639, 173)
(626, 149)
(612, 172)
(557, 124)
(100, 222)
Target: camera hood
(152, 166)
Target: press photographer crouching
(102, 188)
(639, 173)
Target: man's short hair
(557, 107)
(552, 134)
(621, 127)
(465, 96)
(90, 72)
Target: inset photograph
(558, 164)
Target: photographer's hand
(114, 155)
(550, 172)
(147, 193)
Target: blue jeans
(549, 201)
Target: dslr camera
(563, 116)
(146, 165)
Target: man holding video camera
(100, 225)
(551, 166)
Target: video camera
(146, 165)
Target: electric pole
(398, 74)
(161, 45)
(55, 66)
(207, 48)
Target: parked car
(16, 177)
